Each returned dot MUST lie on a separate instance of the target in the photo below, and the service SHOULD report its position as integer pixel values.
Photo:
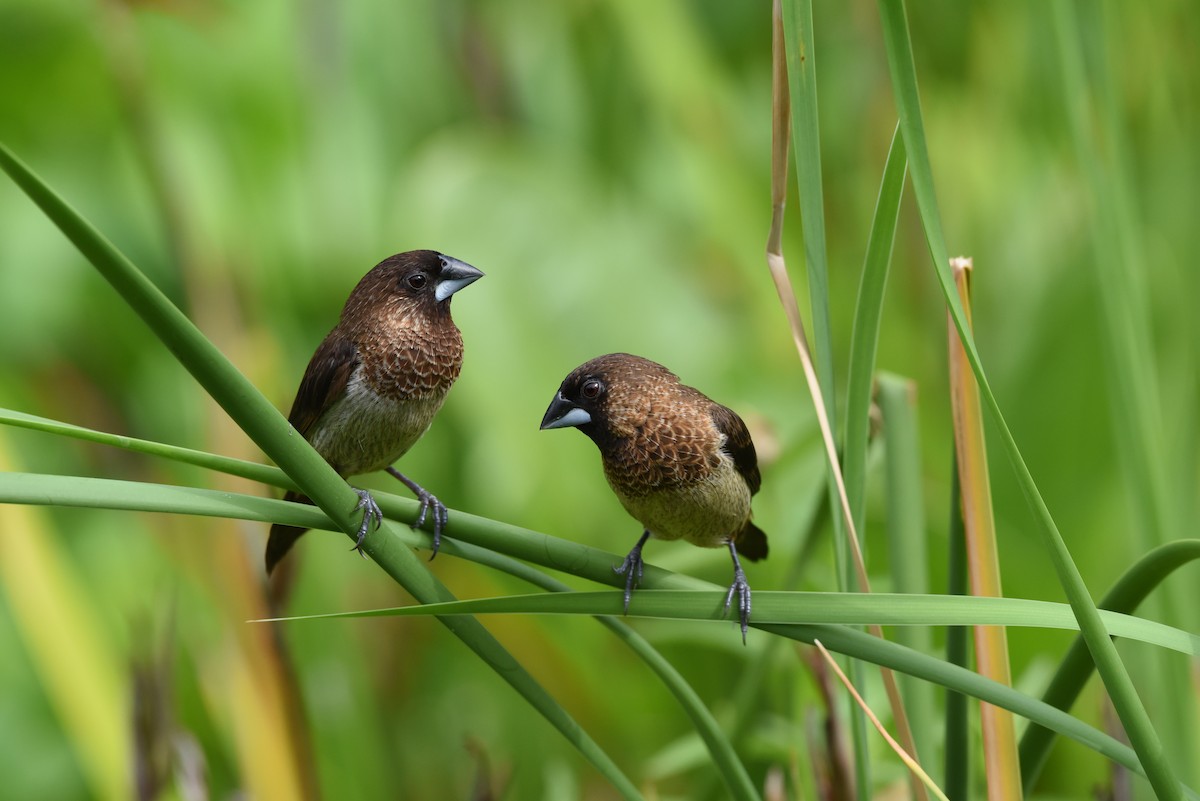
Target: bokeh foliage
(607, 165)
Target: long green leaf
(806, 139)
(1112, 670)
(908, 552)
(777, 607)
(262, 473)
(263, 423)
(868, 316)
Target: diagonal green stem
(262, 473)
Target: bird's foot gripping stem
(632, 568)
(429, 502)
(371, 515)
(741, 588)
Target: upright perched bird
(681, 464)
(376, 381)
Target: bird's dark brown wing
(324, 382)
(738, 444)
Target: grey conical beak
(453, 276)
(564, 414)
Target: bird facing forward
(681, 464)
(376, 381)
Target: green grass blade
(263, 423)
(1076, 667)
(868, 314)
(262, 473)
(806, 144)
(907, 551)
(1112, 670)
(774, 607)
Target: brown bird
(681, 464)
(377, 380)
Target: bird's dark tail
(752, 542)
(283, 537)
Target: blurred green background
(607, 165)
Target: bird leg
(428, 501)
(742, 588)
(631, 568)
(371, 514)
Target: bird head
(609, 396)
(416, 279)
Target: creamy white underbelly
(365, 431)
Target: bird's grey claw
(741, 588)
(632, 569)
(371, 514)
(441, 516)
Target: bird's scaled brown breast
(412, 357)
(664, 439)
(407, 365)
(666, 463)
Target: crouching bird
(377, 380)
(681, 464)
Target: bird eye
(417, 280)
(591, 389)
